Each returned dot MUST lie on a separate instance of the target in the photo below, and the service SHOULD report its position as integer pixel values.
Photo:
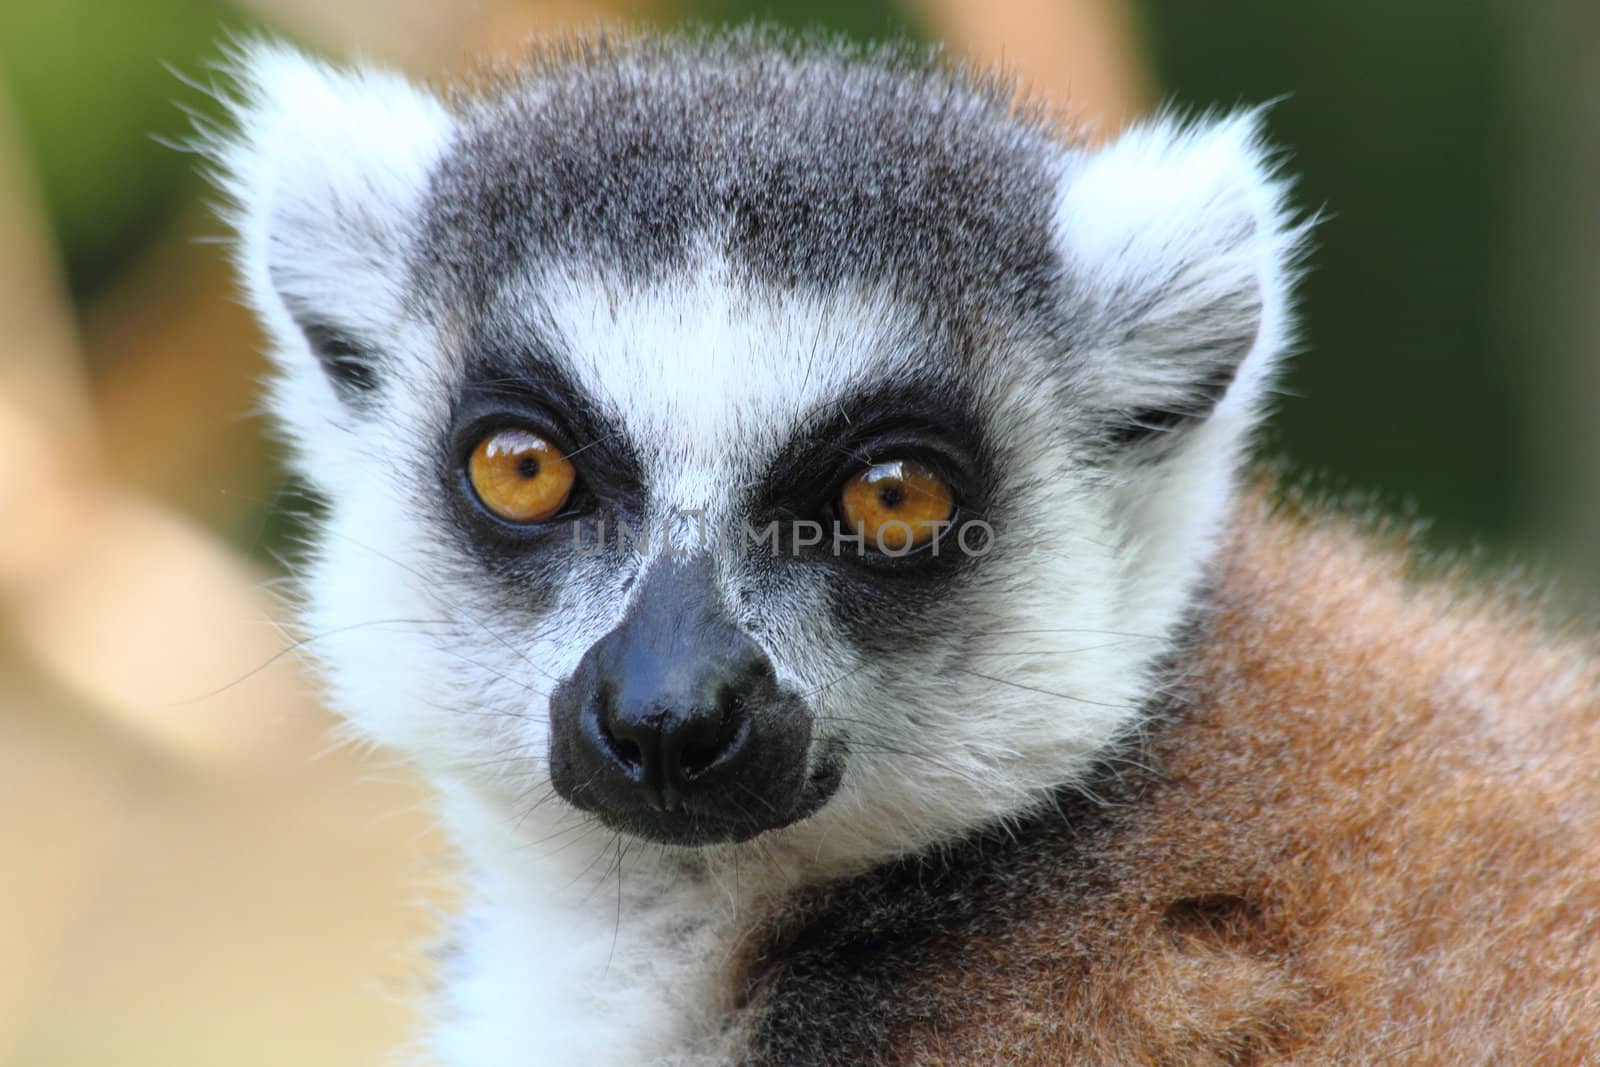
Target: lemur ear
(324, 169)
(1179, 255)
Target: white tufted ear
(1178, 244)
(325, 169)
(1180, 251)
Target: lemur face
(722, 440)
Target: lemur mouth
(698, 826)
(714, 819)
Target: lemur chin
(787, 500)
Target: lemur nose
(674, 725)
(668, 725)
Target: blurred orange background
(195, 871)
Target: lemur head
(746, 438)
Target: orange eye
(897, 506)
(520, 476)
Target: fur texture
(1362, 832)
(721, 273)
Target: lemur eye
(520, 476)
(897, 506)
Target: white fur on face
(1177, 253)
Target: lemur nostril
(626, 752)
(695, 758)
(624, 749)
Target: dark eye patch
(520, 375)
(935, 425)
(869, 426)
(519, 384)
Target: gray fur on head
(729, 267)
(813, 167)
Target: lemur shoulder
(787, 501)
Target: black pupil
(891, 496)
(528, 467)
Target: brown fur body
(1367, 831)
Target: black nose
(674, 725)
(673, 718)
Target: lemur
(790, 502)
